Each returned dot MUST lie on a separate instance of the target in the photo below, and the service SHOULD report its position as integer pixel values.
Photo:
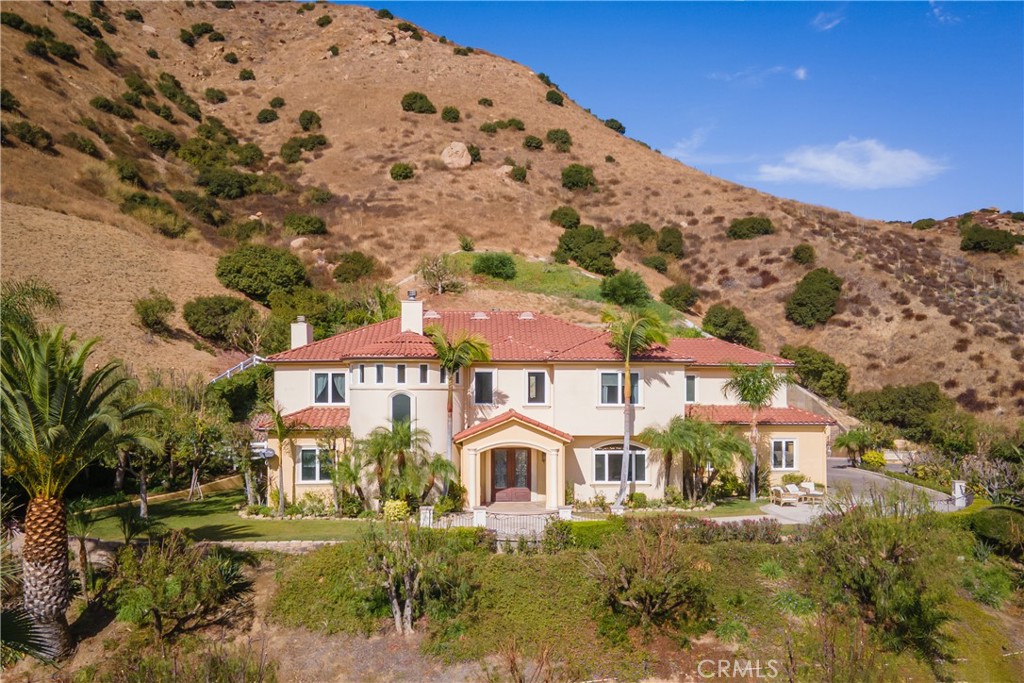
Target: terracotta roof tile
(713, 351)
(315, 417)
(739, 414)
(507, 416)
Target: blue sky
(894, 111)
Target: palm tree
(632, 333)
(755, 387)
(859, 440)
(454, 354)
(402, 462)
(675, 439)
(284, 431)
(58, 418)
(704, 448)
(20, 298)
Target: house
(544, 416)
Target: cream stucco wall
(711, 381)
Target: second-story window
(400, 374)
(329, 387)
(536, 387)
(483, 387)
(613, 388)
(380, 373)
(691, 389)
(362, 374)
(424, 369)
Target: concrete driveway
(860, 481)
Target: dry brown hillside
(914, 306)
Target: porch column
(472, 477)
(554, 490)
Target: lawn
(553, 279)
(731, 507)
(216, 519)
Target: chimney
(412, 314)
(302, 332)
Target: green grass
(731, 507)
(216, 519)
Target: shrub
(69, 53)
(401, 171)
(993, 240)
(109, 106)
(225, 182)
(37, 48)
(474, 153)
(814, 299)
(8, 102)
(205, 209)
(625, 289)
(82, 144)
(354, 266)
(441, 273)
(461, 51)
(317, 195)
(215, 96)
(304, 224)
(518, 174)
(133, 15)
(729, 323)
(324, 21)
(497, 265)
(466, 243)
(657, 262)
(803, 254)
(873, 460)
(161, 110)
(257, 270)
(924, 224)
(554, 97)
(185, 36)
(246, 75)
(334, 50)
(231, 58)
(515, 124)
(533, 142)
(609, 159)
(152, 53)
(615, 125)
(34, 136)
(161, 141)
(83, 24)
(154, 310)
(127, 171)
(681, 297)
(488, 127)
(103, 53)
(396, 511)
(309, 120)
(418, 103)
(266, 116)
(450, 115)
(277, 103)
(818, 371)
(589, 248)
(750, 227)
(637, 500)
(670, 241)
(384, 14)
(907, 407)
(485, 102)
(578, 177)
(170, 87)
(155, 212)
(560, 138)
(136, 83)
(641, 232)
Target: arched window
(608, 463)
(401, 408)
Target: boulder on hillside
(456, 155)
(299, 243)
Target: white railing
(505, 525)
(251, 362)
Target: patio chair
(781, 496)
(810, 493)
(794, 490)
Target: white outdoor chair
(782, 496)
(810, 492)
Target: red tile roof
(315, 417)
(740, 414)
(714, 351)
(513, 336)
(507, 416)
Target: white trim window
(536, 387)
(380, 373)
(312, 468)
(783, 454)
(329, 388)
(424, 373)
(483, 387)
(401, 407)
(400, 373)
(613, 388)
(608, 464)
(691, 389)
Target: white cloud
(853, 165)
(941, 14)
(755, 76)
(826, 21)
(690, 150)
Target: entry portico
(513, 458)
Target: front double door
(510, 475)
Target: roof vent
(479, 315)
(431, 315)
(526, 315)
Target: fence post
(480, 516)
(565, 512)
(959, 494)
(427, 516)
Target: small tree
(154, 310)
(615, 125)
(497, 265)
(729, 323)
(814, 299)
(578, 177)
(554, 97)
(450, 115)
(441, 273)
(565, 216)
(256, 270)
(755, 387)
(454, 354)
(803, 254)
(750, 227)
(670, 241)
(818, 371)
(354, 266)
(625, 289)
(309, 120)
(681, 296)
(418, 103)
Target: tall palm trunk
(143, 494)
(753, 454)
(451, 416)
(627, 433)
(45, 561)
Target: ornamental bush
(402, 171)
(450, 115)
(578, 177)
(670, 241)
(257, 270)
(354, 266)
(554, 97)
(566, 216)
(803, 254)
(497, 265)
(304, 224)
(625, 289)
(681, 296)
(729, 323)
(750, 227)
(533, 142)
(418, 103)
(814, 299)
(309, 120)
